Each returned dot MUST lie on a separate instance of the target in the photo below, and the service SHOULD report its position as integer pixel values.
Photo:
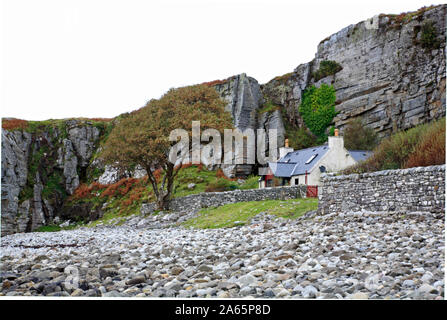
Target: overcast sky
(100, 58)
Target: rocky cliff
(40, 168)
(244, 102)
(391, 74)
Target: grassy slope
(423, 145)
(234, 214)
(123, 199)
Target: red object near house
(312, 191)
(269, 180)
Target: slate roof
(294, 163)
(360, 155)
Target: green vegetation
(318, 109)
(204, 180)
(327, 68)
(55, 228)
(51, 124)
(301, 139)
(357, 136)
(235, 214)
(429, 36)
(250, 183)
(36, 161)
(423, 145)
(54, 184)
(49, 228)
(125, 197)
(268, 107)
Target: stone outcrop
(388, 78)
(40, 169)
(243, 95)
(244, 102)
(15, 149)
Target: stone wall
(213, 199)
(404, 190)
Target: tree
(357, 136)
(142, 138)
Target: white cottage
(306, 165)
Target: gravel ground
(355, 255)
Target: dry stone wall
(214, 199)
(404, 190)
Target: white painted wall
(336, 159)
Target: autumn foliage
(431, 149)
(142, 138)
(126, 192)
(14, 124)
(215, 82)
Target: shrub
(415, 147)
(359, 137)
(429, 35)
(318, 109)
(268, 107)
(219, 185)
(121, 187)
(301, 139)
(82, 192)
(327, 68)
(431, 148)
(250, 183)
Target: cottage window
(311, 158)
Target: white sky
(100, 58)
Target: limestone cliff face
(15, 150)
(244, 102)
(388, 78)
(40, 169)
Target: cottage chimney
(336, 142)
(285, 150)
(336, 132)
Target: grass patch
(235, 214)
(268, 107)
(327, 68)
(250, 183)
(56, 228)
